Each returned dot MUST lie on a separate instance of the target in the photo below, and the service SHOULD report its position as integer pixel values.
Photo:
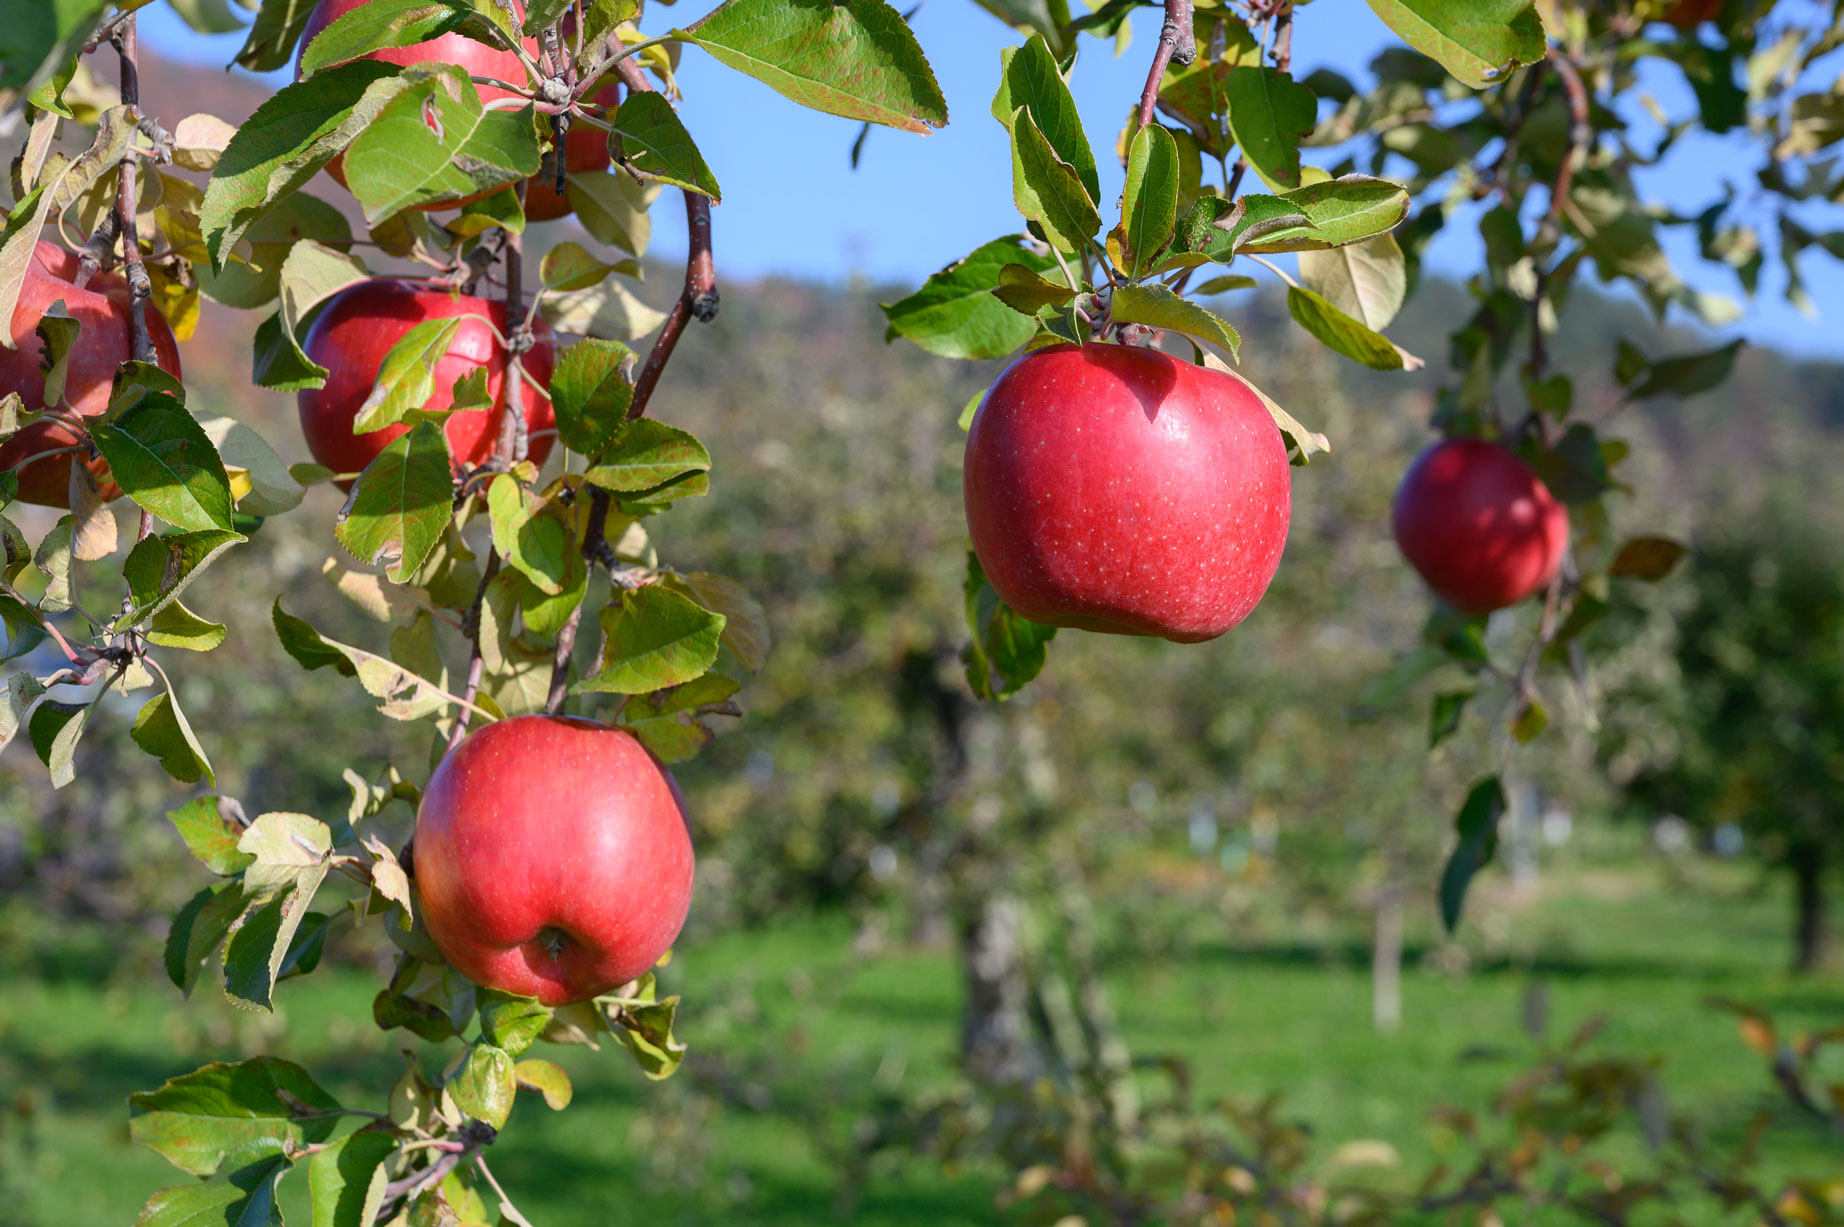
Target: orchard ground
(796, 1036)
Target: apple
(552, 858)
(356, 329)
(1479, 525)
(103, 344)
(585, 152)
(1114, 488)
(477, 58)
(1689, 14)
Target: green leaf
(1027, 292)
(646, 454)
(538, 547)
(286, 848)
(347, 1179)
(434, 141)
(569, 266)
(56, 728)
(200, 929)
(613, 209)
(378, 24)
(287, 140)
(855, 58)
(608, 311)
(405, 693)
(272, 39)
(163, 460)
(653, 638)
(1157, 307)
(260, 945)
(1444, 715)
(1649, 559)
(162, 731)
(401, 504)
(512, 1023)
(1030, 78)
(649, 137)
(158, 569)
(591, 392)
(746, 631)
(406, 377)
(547, 1079)
(210, 836)
(954, 314)
(1269, 115)
(1477, 825)
(644, 1027)
(1149, 205)
(1346, 335)
(1367, 281)
(1348, 209)
(1007, 650)
(311, 274)
(1047, 189)
(245, 1197)
(1689, 374)
(198, 1119)
(485, 1085)
(272, 488)
(1478, 41)
(37, 39)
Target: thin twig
(470, 626)
(594, 542)
(514, 442)
(1177, 41)
(698, 300)
(1581, 133)
(140, 288)
(1283, 37)
(505, 1203)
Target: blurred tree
(1747, 727)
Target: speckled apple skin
(553, 823)
(356, 329)
(1481, 527)
(104, 343)
(1116, 488)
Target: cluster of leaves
(501, 553)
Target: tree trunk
(1386, 959)
(1811, 932)
(996, 1043)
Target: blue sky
(794, 205)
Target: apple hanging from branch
(1481, 527)
(357, 328)
(104, 342)
(552, 858)
(1115, 488)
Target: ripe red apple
(552, 858)
(1114, 488)
(477, 58)
(103, 344)
(585, 152)
(1481, 528)
(357, 328)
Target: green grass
(803, 1031)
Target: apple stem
(1177, 41)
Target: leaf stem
(1276, 269)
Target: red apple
(552, 858)
(477, 58)
(1114, 488)
(585, 153)
(357, 328)
(103, 344)
(1479, 525)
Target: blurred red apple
(552, 858)
(356, 329)
(1479, 525)
(1114, 488)
(103, 344)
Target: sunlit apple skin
(1479, 525)
(585, 153)
(357, 328)
(1115, 488)
(105, 341)
(477, 58)
(552, 858)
